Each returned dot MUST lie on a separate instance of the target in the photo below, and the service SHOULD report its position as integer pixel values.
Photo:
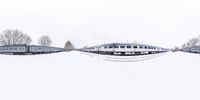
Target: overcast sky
(165, 23)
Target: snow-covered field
(76, 76)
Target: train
(124, 49)
(195, 49)
(28, 49)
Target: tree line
(193, 42)
(15, 37)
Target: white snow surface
(76, 76)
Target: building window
(116, 46)
(128, 46)
(110, 46)
(122, 46)
(135, 47)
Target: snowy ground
(76, 76)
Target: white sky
(163, 23)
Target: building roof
(110, 44)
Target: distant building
(124, 49)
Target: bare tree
(193, 42)
(184, 46)
(45, 40)
(14, 36)
(69, 46)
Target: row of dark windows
(122, 46)
(44, 48)
(24, 48)
(12, 48)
